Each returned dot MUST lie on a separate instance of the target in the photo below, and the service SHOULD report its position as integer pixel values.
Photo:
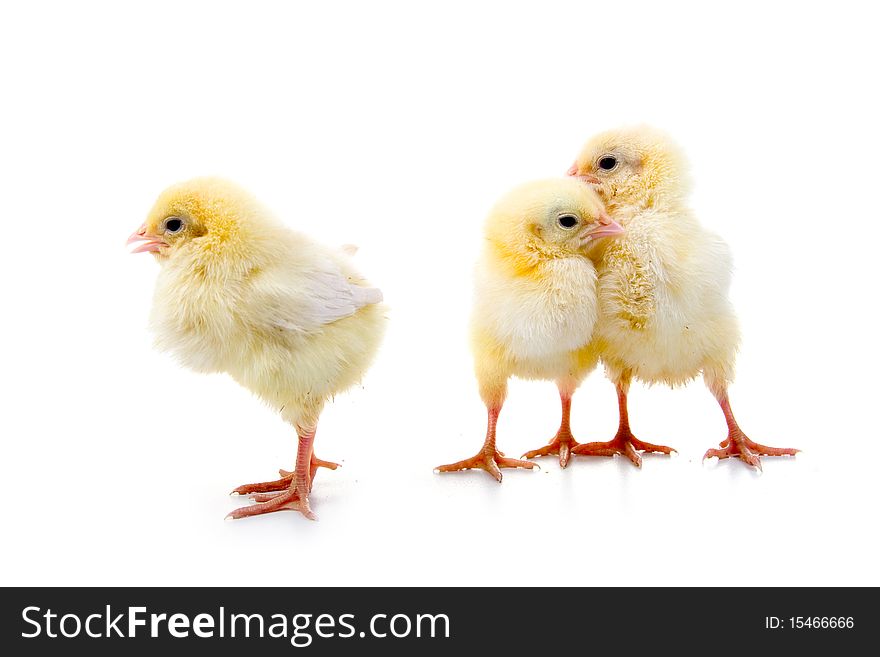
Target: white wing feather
(308, 300)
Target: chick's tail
(366, 296)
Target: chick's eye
(173, 225)
(607, 162)
(567, 220)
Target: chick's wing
(305, 300)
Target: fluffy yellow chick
(664, 314)
(288, 319)
(535, 304)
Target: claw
(738, 445)
(269, 503)
(625, 444)
(561, 445)
(490, 462)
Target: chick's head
(199, 216)
(553, 218)
(638, 166)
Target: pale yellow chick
(288, 319)
(664, 313)
(535, 304)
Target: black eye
(173, 225)
(607, 162)
(567, 220)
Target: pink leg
(738, 445)
(299, 484)
(488, 458)
(563, 442)
(286, 477)
(624, 443)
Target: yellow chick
(288, 319)
(535, 304)
(664, 313)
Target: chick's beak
(584, 177)
(151, 243)
(606, 227)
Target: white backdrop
(395, 126)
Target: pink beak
(607, 228)
(150, 244)
(588, 178)
(585, 177)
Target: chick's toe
(490, 461)
(738, 445)
(563, 442)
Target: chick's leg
(624, 442)
(563, 442)
(295, 495)
(313, 469)
(284, 482)
(738, 445)
(488, 458)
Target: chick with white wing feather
(664, 312)
(287, 318)
(533, 313)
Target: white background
(395, 126)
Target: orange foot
(623, 443)
(283, 484)
(490, 461)
(289, 500)
(562, 444)
(738, 445)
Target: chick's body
(535, 325)
(534, 303)
(263, 323)
(664, 313)
(287, 318)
